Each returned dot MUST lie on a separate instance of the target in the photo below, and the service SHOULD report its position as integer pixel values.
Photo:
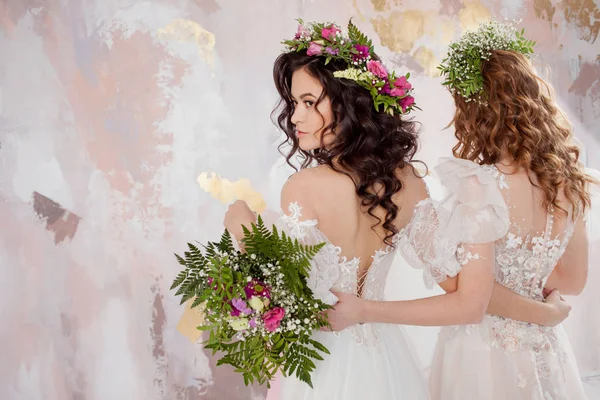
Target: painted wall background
(110, 110)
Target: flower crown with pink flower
(391, 92)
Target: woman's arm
(467, 305)
(570, 274)
(508, 304)
(238, 215)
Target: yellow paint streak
(585, 15)
(427, 59)
(185, 30)
(190, 320)
(473, 14)
(544, 9)
(380, 5)
(400, 30)
(227, 191)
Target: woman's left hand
(346, 312)
(238, 214)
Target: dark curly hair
(369, 146)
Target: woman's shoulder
(414, 187)
(317, 189)
(320, 180)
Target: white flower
(256, 303)
(239, 324)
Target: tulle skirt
(370, 361)
(503, 359)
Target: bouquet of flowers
(257, 306)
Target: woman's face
(309, 119)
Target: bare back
(346, 223)
(538, 237)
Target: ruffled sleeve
(474, 206)
(472, 211)
(322, 277)
(424, 246)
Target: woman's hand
(347, 311)
(238, 214)
(559, 309)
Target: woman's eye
(308, 103)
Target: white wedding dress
(369, 361)
(501, 358)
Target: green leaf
(204, 328)
(179, 279)
(254, 358)
(197, 301)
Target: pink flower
(257, 288)
(363, 52)
(314, 49)
(402, 83)
(273, 317)
(241, 306)
(252, 323)
(330, 33)
(302, 32)
(377, 69)
(407, 102)
(397, 92)
(332, 51)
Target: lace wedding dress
(500, 358)
(369, 361)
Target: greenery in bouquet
(258, 310)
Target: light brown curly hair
(522, 121)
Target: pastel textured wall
(111, 109)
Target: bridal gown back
(375, 360)
(369, 361)
(501, 358)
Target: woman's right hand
(559, 309)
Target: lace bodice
(531, 242)
(472, 211)
(526, 256)
(332, 271)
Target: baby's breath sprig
(462, 66)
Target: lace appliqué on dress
(332, 271)
(500, 177)
(424, 245)
(295, 228)
(523, 264)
